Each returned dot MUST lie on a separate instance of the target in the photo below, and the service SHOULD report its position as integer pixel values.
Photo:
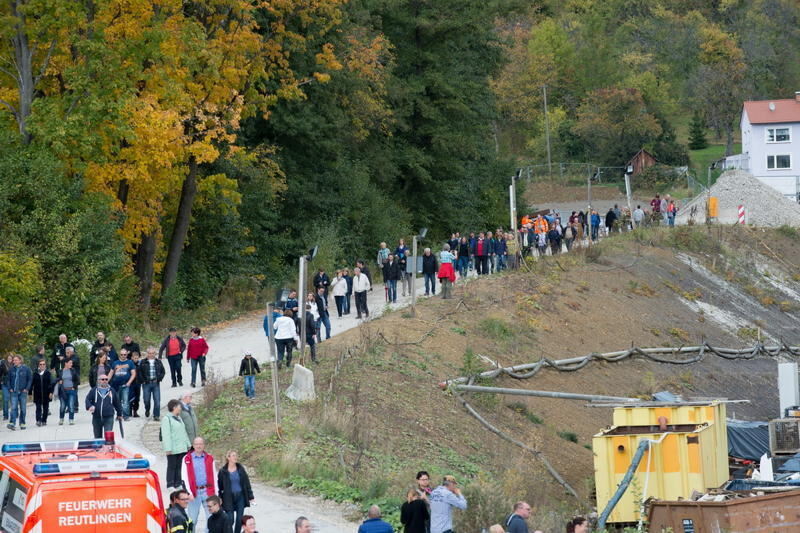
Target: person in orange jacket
(540, 225)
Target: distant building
(640, 161)
(771, 144)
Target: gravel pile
(765, 206)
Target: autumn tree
(614, 124)
(720, 83)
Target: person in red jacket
(198, 471)
(196, 353)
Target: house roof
(758, 112)
(642, 152)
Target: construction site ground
(380, 415)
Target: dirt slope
(381, 415)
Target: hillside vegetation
(381, 415)
(164, 157)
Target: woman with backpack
(175, 442)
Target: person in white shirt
(361, 286)
(285, 333)
(339, 285)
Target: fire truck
(78, 486)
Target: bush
(656, 178)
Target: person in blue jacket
(595, 224)
(373, 523)
(18, 381)
(275, 315)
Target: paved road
(276, 508)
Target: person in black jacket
(5, 366)
(100, 343)
(42, 391)
(324, 314)
(414, 513)
(391, 274)
(218, 520)
(59, 352)
(429, 269)
(322, 281)
(311, 336)
(233, 476)
(178, 519)
(249, 368)
(149, 373)
(103, 403)
(128, 344)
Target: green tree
(697, 132)
(614, 124)
(73, 236)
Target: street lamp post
(301, 307)
(421, 235)
(273, 356)
(628, 194)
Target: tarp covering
(665, 396)
(751, 484)
(792, 465)
(747, 440)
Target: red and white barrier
(741, 214)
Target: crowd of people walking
(126, 381)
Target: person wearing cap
(249, 368)
(443, 500)
(103, 403)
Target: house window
(779, 162)
(779, 135)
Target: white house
(771, 144)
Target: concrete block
(302, 387)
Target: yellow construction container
(691, 454)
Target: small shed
(640, 161)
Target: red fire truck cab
(81, 486)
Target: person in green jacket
(189, 416)
(175, 441)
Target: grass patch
(568, 435)
(642, 289)
(521, 408)
(496, 329)
(680, 334)
(747, 333)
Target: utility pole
(512, 199)
(420, 235)
(547, 130)
(301, 307)
(413, 275)
(275, 390)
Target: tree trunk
(143, 265)
(23, 59)
(122, 192)
(181, 229)
(729, 140)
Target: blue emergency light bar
(52, 446)
(90, 466)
